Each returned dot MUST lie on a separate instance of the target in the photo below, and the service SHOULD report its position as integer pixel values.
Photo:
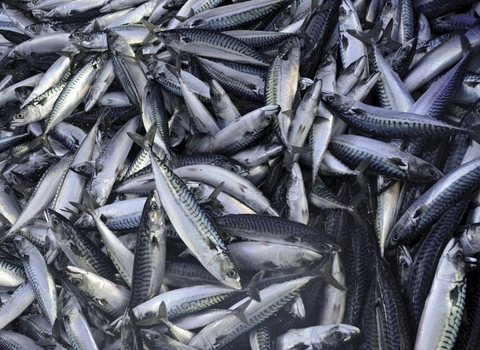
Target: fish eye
(396, 238)
(458, 256)
(232, 274)
(156, 337)
(477, 110)
(233, 168)
(76, 281)
(224, 236)
(431, 173)
(55, 222)
(338, 336)
(20, 116)
(330, 98)
(154, 207)
(195, 191)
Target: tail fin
(147, 141)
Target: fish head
(470, 238)
(33, 30)
(79, 279)
(155, 213)
(225, 271)
(336, 101)
(451, 267)
(336, 336)
(93, 41)
(423, 171)
(151, 338)
(56, 222)
(77, 36)
(400, 232)
(86, 168)
(20, 118)
(169, 37)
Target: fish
(205, 173)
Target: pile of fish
(268, 174)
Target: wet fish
(258, 115)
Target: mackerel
(39, 276)
(78, 248)
(387, 123)
(43, 194)
(276, 230)
(180, 302)
(14, 340)
(108, 163)
(72, 95)
(211, 44)
(18, 302)
(150, 252)
(126, 67)
(432, 204)
(76, 325)
(445, 303)
(232, 16)
(385, 159)
(226, 329)
(106, 295)
(193, 225)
